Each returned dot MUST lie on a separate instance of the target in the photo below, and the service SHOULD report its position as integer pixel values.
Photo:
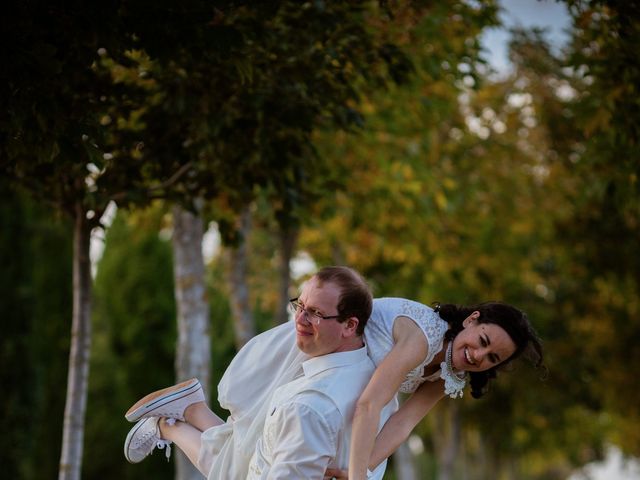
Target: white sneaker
(143, 438)
(168, 403)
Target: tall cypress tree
(35, 254)
(134, 338)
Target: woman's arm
(401, 424)
(409, 350)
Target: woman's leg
(201, 417)
(185, 436)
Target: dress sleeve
(433, 328)
(304, 442)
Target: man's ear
(350, 326)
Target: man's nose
(302, 317)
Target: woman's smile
(467, 356)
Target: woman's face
(480, 346)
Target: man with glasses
(308, 420)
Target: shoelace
(167, 451)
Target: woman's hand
(336, 473)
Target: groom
(309, 423)
(308, 419)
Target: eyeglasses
(310, 315)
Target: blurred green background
(373, 134)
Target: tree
(263, 71)
(601, 234)
(134, 337)
(35, 295)
(54, 102)
(193, 351)
(459, 202)
(49, 132)
(240, 115)
(237, 279)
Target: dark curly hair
(510, 319)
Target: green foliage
(128, 101)
(50, 98)
(236, 100)
(134, 340)
(403, 171)
(453, 188)
(602, 234)
(603, 53)
(495, 195)
(105, 103)
(35, 298)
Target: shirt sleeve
(304, 442)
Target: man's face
(328, 336)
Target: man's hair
(355, 295)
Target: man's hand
(336, 473)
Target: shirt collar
(316, 365)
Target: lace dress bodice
(379, 334)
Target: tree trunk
(288, 240)
(194, 347)
(477, 464)
(243, 324)
(449, 438)
(404, 464)
(78, 376)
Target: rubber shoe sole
(155, 403)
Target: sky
(547, 14)
(552, 16)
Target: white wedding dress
(272, 359)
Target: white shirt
(308, 426)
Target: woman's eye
(482, 342)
